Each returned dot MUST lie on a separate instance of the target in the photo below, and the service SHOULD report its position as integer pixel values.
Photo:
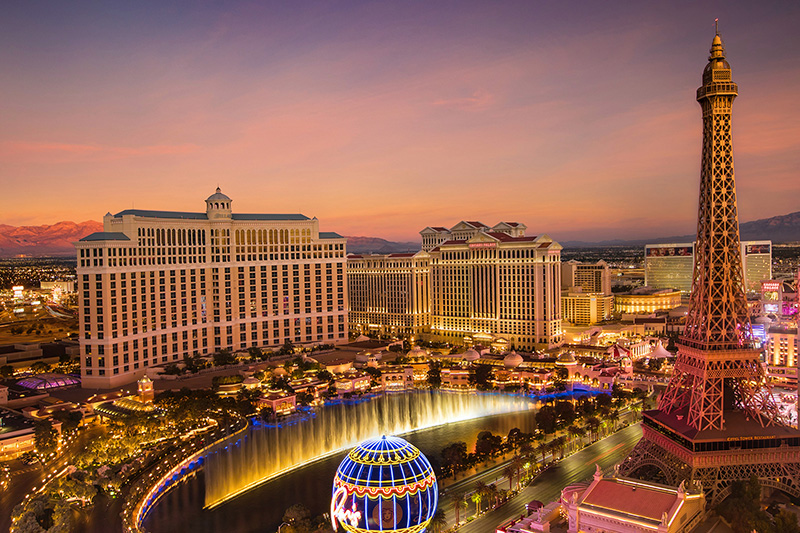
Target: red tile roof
(633, 499)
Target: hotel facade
(670, 266)
(485, 285)
(157, 286)
(390, 294)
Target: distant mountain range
(57, 239)
(782, 228)
(48, 240)
(374, 245)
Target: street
(547, 487)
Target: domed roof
(471, 355)
(512, 360)
(218, 197)
(280, 371)
(384, 484)
(566, 358)
(417, 351)
(48, 381)
(145, 379)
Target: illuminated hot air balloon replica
(384, 484)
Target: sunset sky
(380, 118)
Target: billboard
(670, 251)
(757, 249)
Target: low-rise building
(397, 378)
(621, 505)
(353, 382)
(17, 434)
(280, 401)
(646, 300)
(456, 378)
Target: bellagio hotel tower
(157, 286)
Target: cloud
(480, 99)
(94, 151)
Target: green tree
(438, 521)
(40, 367)
(6, 371)
(298, 517)
(454, 456)
(487, 444)
(435, 374)
(70, 420)
(224, 357)
(45, 437)
(546, 419)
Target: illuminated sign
(670, 251)
(483, 245)
(339, 514)
(770, 286)
(756, 249)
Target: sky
(578, 119)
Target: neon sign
(340, 513)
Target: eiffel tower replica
(717, 421)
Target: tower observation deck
(717, 421)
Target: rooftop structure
(620, 505)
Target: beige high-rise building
(782, 346)
(389, 294)
(586, 308)
(590, 277)
(160, 285)
(496, 286)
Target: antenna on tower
(716, 26)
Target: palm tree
(508, 471)
(593, 424)
(459, 502)
(574, 432)
(613, 417)
(543, 448)
(517, 462)
(559, 443)
(438, 521)
(476, 497)
(492, 493)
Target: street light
(280, 526)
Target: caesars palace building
(470, 284)
(156, 286)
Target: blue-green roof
(329, 235)
(274, 216)
(203, 216)
(162, 214)
(105, 236)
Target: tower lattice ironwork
(717, 366)
(717, 421)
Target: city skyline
(392, 118)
